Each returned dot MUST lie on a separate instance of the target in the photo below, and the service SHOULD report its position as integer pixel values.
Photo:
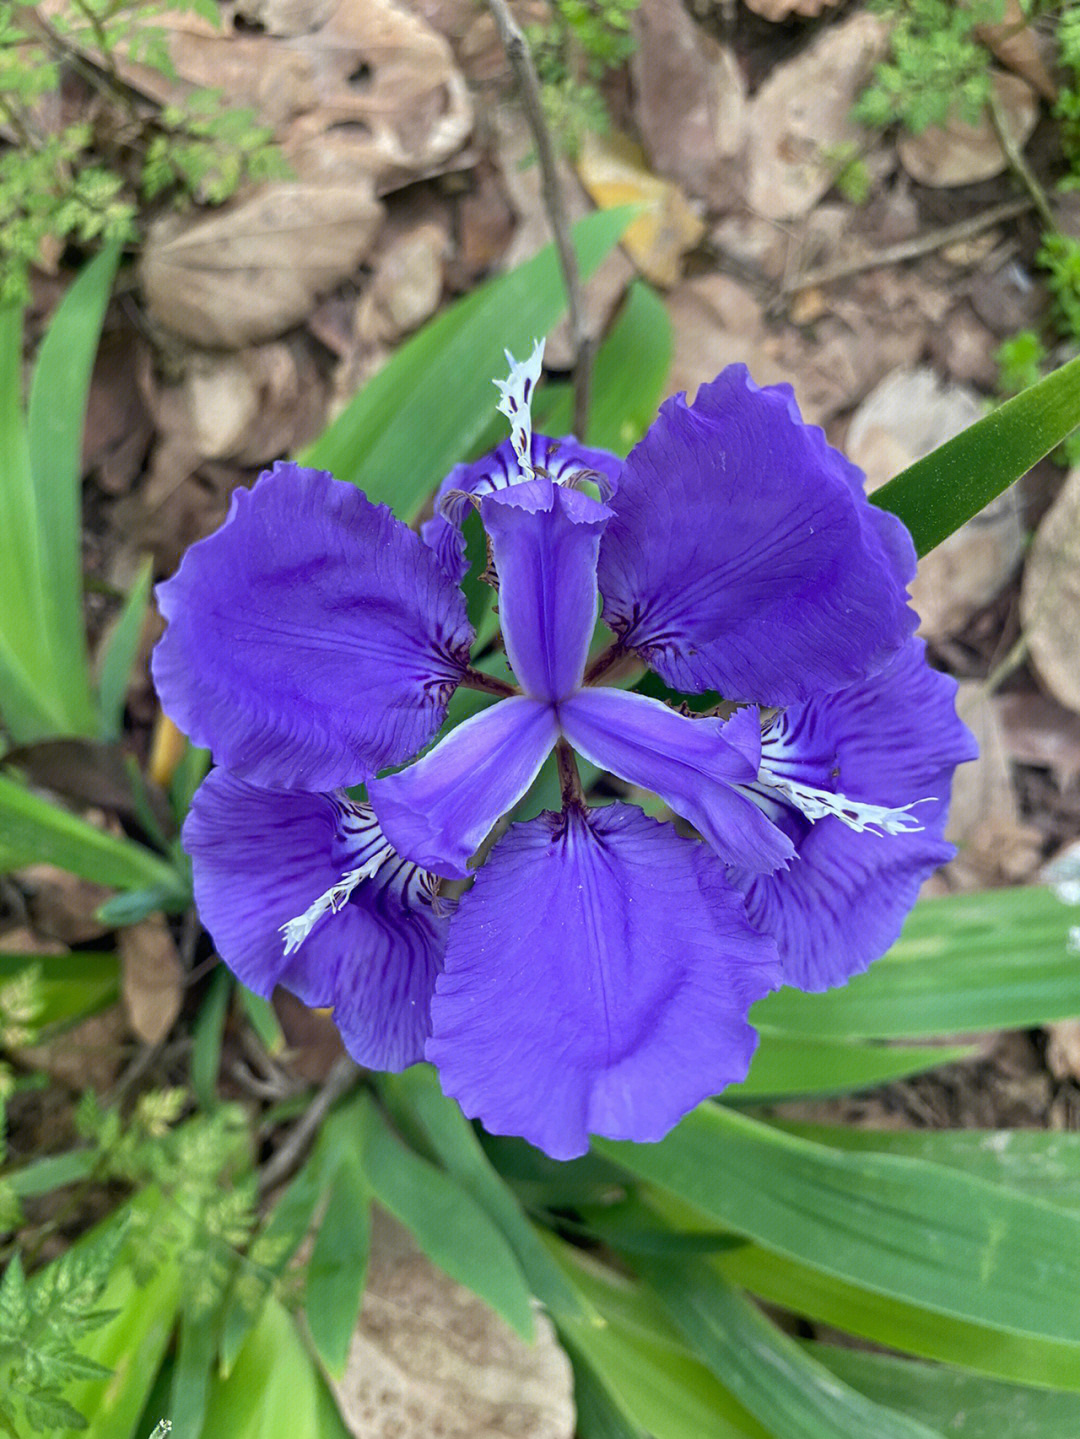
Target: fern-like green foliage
(40, 1327)
(86, 181)
(937, 67)
(582, 42)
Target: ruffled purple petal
(497, 471)
(313, 639)
(741, 559)
(544, 541)
(597, 981)
(893, 740)
(438, 810)
(691, 764)
(261, 858)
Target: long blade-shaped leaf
(935, 495)
(55, 417)
(793, 1395)
(956, 1245)
(789, 1064)
(999, 960)
(34, 830)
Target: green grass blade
(337, 1270)
(631, 369)
(118, 655)
(907, 1327)
(71, 986)
(56, 414)
(454, 1141)
(1042, 1163)
(448, 1224)
(789, 1064)
(958, 1403)
(956, 1245)
(793, 1395)
(422, 413)
(935, 495)
(34, 830)
(997, 960)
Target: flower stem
(569, 779)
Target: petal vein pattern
(262, 859)
(741, 559)
(892, 741)
(313, 639)
(596, 982)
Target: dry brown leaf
(90, 1055)
(691, 103)
(252, 270)
(907, 415)
(803, 110)
(716, 322)
(152, 978)
(960, 154)
(430, 1358)
(1012, 40)
(1050, 596)
(1063, 1049)
(612, 169)
(255, 404)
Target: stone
(1050, 596)
(803, 111)
(944, 156)
(909, 414)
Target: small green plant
(849, 172)
(937, 66)
(40, 1328)
(583, 41)
(88, 179)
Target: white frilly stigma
(517, 392)
(819, 803)
(298, 929)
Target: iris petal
(560, 459)
(313, 639)
(261, 857)
(691, 764)
(741, 558)
(893, 740)
(544, 541)
(597, 981)
(438, 810)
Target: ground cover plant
(193, 1240)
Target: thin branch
(521, 62)
(1017, 163)
(909, 249)
(288, 1155)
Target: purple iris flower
(596, 977)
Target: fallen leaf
(254, 268)
(152, 979)
(944, 156)
(612, 169)
(1063, 1049)
(1050, 595)
(1012, 40)
(430, 1358)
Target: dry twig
(521, 62)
